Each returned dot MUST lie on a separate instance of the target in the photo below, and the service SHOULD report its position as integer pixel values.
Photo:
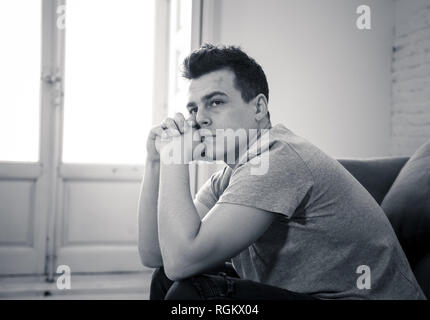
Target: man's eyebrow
(207, 97)
(215, 93)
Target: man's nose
(202, 120)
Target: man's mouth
(210, 138)
(208, 141)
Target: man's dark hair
(250, 78)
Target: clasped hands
(176, 141)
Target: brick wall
(411, 77)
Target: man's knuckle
(179, 115)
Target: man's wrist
(152, 163)
(179, 158)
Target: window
(57, 152)
(20, 80)
(180, 47)
(108, 80)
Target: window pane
(20, 34)
(108, 80)
(180, 47)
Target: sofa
(402, 187)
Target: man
(300, 229)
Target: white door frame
(30, 258)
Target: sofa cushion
(422, 273)
(407, 205)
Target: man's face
(217, 106)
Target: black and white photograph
(229, 151)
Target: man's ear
(261, 107)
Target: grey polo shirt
(329, 239)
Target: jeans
(218, 284)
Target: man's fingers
(190, 123)
(156, 131)
(170, 127)
(179, 120)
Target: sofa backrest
(376, 175)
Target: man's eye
(216, 102)
(193, 110)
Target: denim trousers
(219, 284)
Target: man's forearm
(149, 247)
(178, 219)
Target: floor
(116, 286)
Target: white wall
(329, 82)
(411, 76)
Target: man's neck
(251, 140)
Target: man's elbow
(172, 274)
(178, 267)
(175, 273)
(181, 268)
(150, 260)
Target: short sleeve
(209, 193)
(280, 189)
